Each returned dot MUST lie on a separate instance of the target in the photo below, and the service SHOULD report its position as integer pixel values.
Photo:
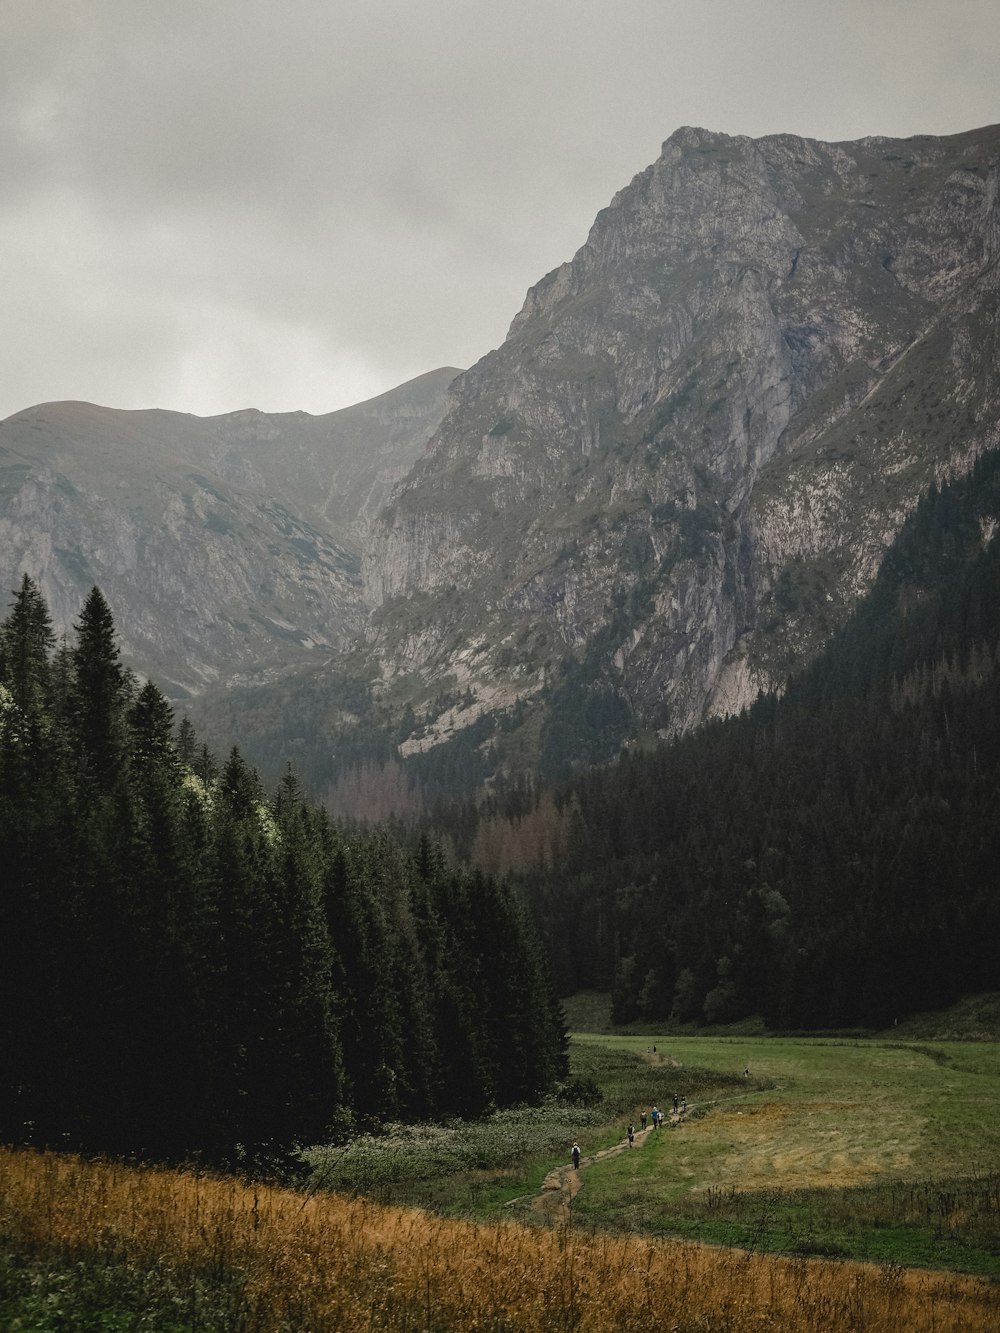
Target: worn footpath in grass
(461, 1168)
(472, 1168)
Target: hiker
(642, 1119)
(631, 1135)
(576, 1157)
(684, 1105)
(656, 1117)
(675, 1103)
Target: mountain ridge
(646, 449)
(229, 545)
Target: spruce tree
(109, 950)
(309, 1064)
(168, 1094)
(36, 804)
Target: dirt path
(554, 1201)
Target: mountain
(676, 476)
(229, 546)
(662, 494)
(825, 859)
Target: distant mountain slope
(677, 474)
(228, 546)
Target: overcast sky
(213, 204)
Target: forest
(194, 969)
(828, 859)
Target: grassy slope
(104, 1248)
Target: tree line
(191, 967)
(827, 859)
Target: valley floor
(881, 1150)
(843, 1183)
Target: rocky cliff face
(687, 458)
(228, 547)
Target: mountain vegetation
(827, 858)
(190, 967)
(667, 493)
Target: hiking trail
(554, 1201)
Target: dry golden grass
(825, 1144)
(330, 1263)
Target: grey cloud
(377, 184)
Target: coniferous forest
(193, 968)
(825, 860)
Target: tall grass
(949, 1224)
(966, 1208)
(294, 1262)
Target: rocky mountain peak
(685, 460)
(661, 494)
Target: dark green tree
(36, 852)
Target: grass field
(872, 1149)
(829, 1151)
(883, 1149)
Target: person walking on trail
(631, 1135)
(642, 1119)
(576, 1157)
(675, 1103)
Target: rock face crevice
(686, 460)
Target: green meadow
(873, 1149)
(879, 1148)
